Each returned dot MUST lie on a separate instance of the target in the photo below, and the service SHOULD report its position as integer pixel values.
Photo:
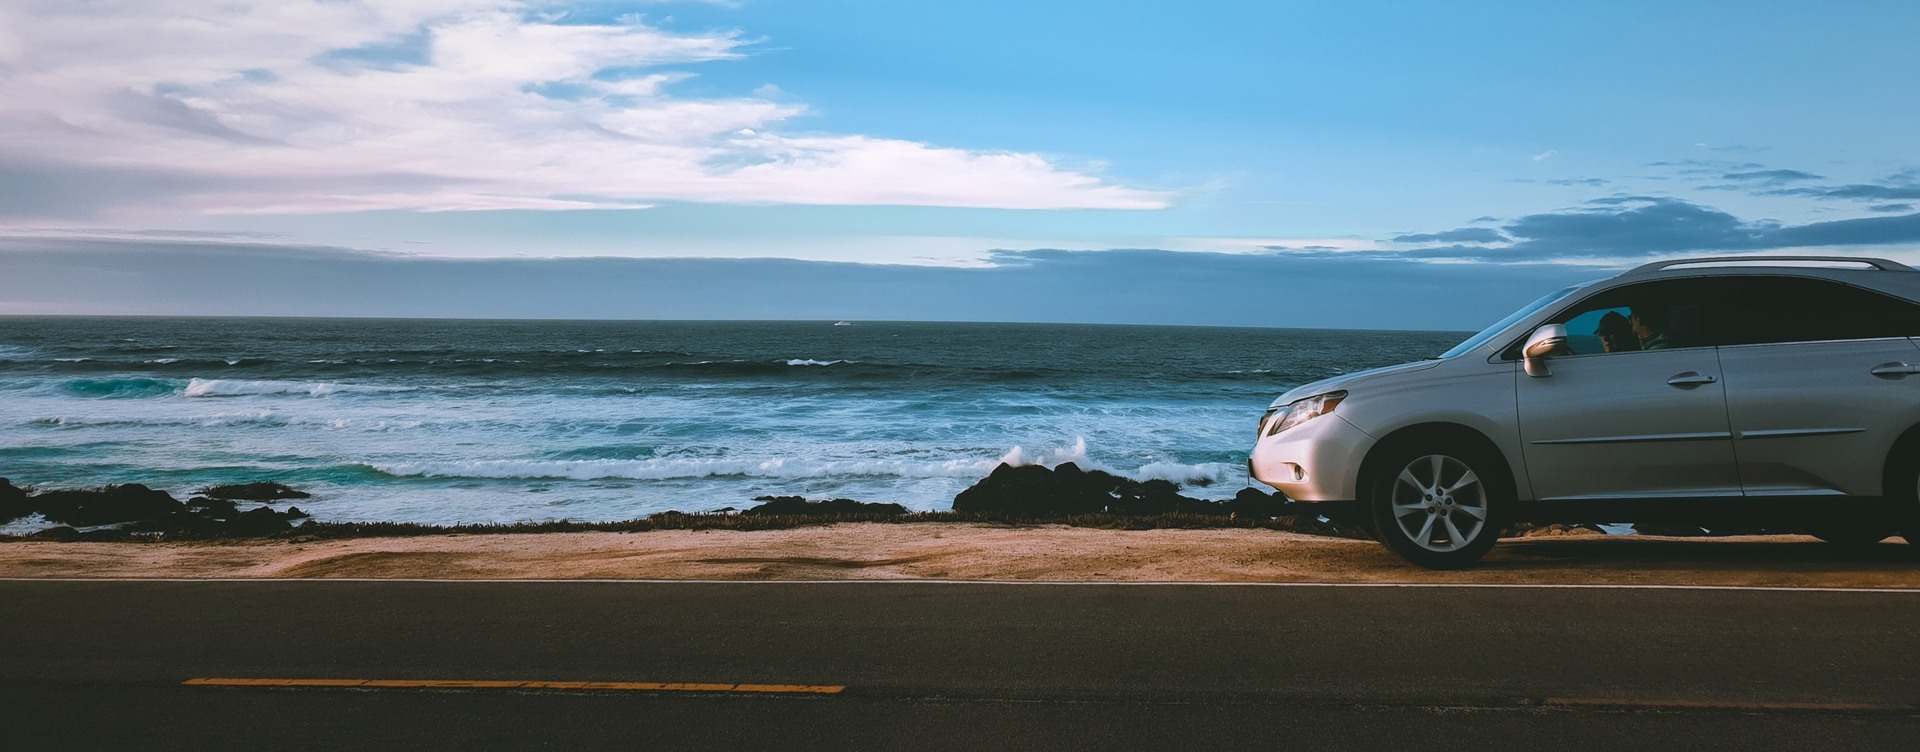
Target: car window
(1772, 309)
(1660, 315)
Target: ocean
(464, 421)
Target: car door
(1627, 422)
(1820, 377)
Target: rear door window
(1751, 310)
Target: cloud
(1890, 208)
(1545, 155)
(1462, 235)
(1590, 182)
(308, 106)
(1856, 192)
(1628, 227)
(1771, 177)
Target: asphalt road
(105, 665)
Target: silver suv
(1715, 391)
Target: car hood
(1350, 380)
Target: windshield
(1501, 325)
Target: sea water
(461, 421)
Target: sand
(977, 552)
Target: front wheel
(1439, 509)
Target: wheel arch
(1445, 433)
(1907, 445)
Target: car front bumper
(1318, 460)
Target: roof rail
(1877, 263)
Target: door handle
(1690, 379)
(1894, 370)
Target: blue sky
(1343, 142)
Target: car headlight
(1300, 411)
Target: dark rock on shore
(781, 505)
(219, 509)
(13, 502)
(61, 534)
(1034, 491)
(106, 506)
(1037, 490)
(134, 508)
(254, 492)
(262, 521)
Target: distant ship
(843, 323)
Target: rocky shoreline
(1015, 494)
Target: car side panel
(1811, 418)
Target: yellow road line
(1679, 704)
(817, 689)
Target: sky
(1327, 164)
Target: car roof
(1879, 274)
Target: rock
(1036, 490)
(106, 506)
(294, 513)
(13, 502)
(255, 492)
(1252, 503)
(62, 534)
(799, 505)
(262, 521)
(219, 509)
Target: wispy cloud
(1771, 177)
(1462, 235)
(1627, 227)
(301, 106)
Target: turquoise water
(505, 421)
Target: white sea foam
(1200, 474)
(71, 360)
(811, 362)
(790, 468)
(164, 361)
(666, 469)
(239, 388)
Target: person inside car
(1650, 327)
(1616, 333)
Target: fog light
(1299, 473)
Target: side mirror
(1545, 341)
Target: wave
(238, 388)
(669, 468)
(1202, 474)
(121, 388)
(672, 469)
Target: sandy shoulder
(974, 552)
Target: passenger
(1650, 326)
(1616, 333)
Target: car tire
(1439, 508)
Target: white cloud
(312, 106)
(1545, 155)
